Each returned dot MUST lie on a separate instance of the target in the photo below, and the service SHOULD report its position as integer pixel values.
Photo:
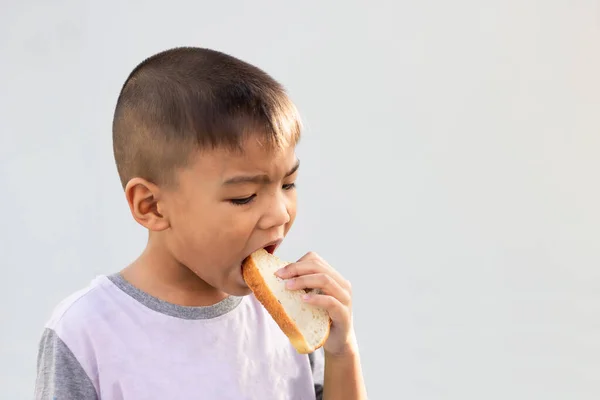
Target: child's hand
(312, 272)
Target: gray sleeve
(317, 364)
(59, 374)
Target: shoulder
(80, 308)
(63, 367)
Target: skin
(202, 228)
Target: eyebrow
(262, 178)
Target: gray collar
(174, 310)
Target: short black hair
(186, 99)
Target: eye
(289, 186)
(244, 201)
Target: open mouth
(271, 248)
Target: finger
(338, 313)
(299, 268)
(311, 263)
(312, 256)
(308, 267)
(323, 282)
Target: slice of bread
(306, 326)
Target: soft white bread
(306, 326)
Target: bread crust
(261, 291)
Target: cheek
(215, 232)
(233, 235)
(291, 208)
(193, 229)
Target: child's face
(228, 205)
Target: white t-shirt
(111, 341)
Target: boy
(204, 147)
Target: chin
(238, 290)
(236, 286)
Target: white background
(449, 170)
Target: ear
(143, 198)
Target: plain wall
(449, 170)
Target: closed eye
(244, 201)
(248, 200)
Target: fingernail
(306, 297)
(289, 283)
(279, 272)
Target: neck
(157, 273)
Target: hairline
(171, 181)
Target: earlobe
(143, 199)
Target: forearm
(343, 377)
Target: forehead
(253, 157)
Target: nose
(276, 213)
